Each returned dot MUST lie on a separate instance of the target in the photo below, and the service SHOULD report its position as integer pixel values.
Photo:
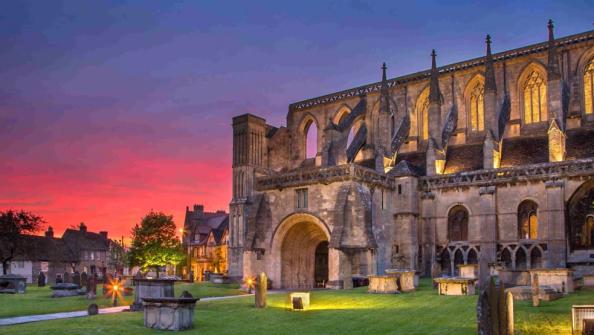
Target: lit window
(528, 220)
(589, 87)
(301, 198)
(423, 112)
(535, 98)
(477, 114)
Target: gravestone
(92, 287)
(67, 278)
(93, 309)
(84, 278)
(41, 280)
(76, 278)
(59, 279)
(535, 290)
(261, 290)
(495, 310)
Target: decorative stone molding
(487, 190)
(534, 172)
(327, 175)
(554, 183)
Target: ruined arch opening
(580, 217)
(310, 131)
(304, 256)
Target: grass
(332, 312)
(37, 300)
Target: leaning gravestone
(76, 278)
(93, 309)
(261, 290)
(41, 280)
(84, 278)
(67, 278)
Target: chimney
(103, 234)
(82, 227)
(50, 232)
(198, 209)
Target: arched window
(506, 258)
(311, 139)
(458, 224)
(528, 220)
(535, 98)
(477, 113)
(422, 110)
(536, 258)
(521, 259)
(472, 257)
(589, 87)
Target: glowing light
(114, 289)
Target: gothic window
(477, 114)
(422, 110)
(310, 132)
(535, 98)
(589, 87)
(458, 224)
(528, 220)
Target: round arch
(294, 246)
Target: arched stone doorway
(580, 217)
(301, 254)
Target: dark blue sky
(111, 108)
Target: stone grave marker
(41, 280)
(59, 279)
(93, 309)
(92, 287)
(535, 291)
(76, 278)
(261, 290)
(67, 278)
(84, 278)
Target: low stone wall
(383, 284)
(169, 313)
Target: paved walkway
(67, 315)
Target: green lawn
(333, 312)
(37, 300)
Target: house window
(589, 88)
(301, 198)
(535, 98)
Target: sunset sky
(109, 109)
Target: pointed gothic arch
(422, 113)
(528, 220)
(474, 94)
(458, 223)
(309, 136)
(532, 90)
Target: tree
(154, 243)
(13, 225)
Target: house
(205, 241)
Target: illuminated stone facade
(488, 161)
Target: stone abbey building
(487, 161)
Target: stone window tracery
(528, 220)
(422, 110)
(589, 88)
(535, 98)
(477, 114)
(458, 224)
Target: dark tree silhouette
(13, 224)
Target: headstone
(76, 278)
(84, 279)
(93, 309)
(535, 291)
(41, 280)
(186, 294)
(67, 278)
(509, 299)
(59, 279)
(297, 303)
(482, 314)
(261, 290)
(92, 287)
